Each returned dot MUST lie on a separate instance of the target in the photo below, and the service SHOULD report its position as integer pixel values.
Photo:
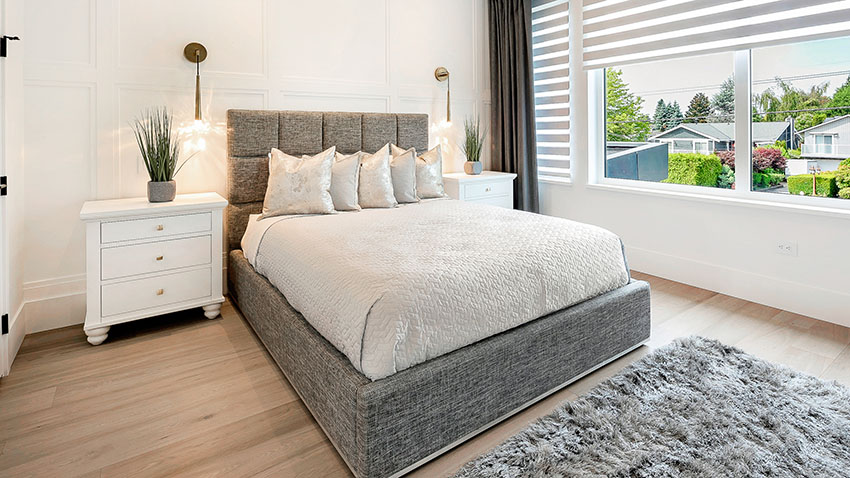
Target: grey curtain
(514, 148)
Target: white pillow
(376, 184)
(429, 174)
(299, 186)
(344, 178)
(403, 168)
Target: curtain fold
(513, 145)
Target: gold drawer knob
(160, 291)
(159, 258)
(160, 227)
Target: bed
(389, 407)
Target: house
(827, 143)
(709, 137)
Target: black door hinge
(3, 40)
(5, 325)
(3, 187)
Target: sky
(680, 79)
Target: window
(804, 89)
(666, 121)
(550, 48)
(746, 97)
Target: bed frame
(390, 426)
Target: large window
(804, 89)
(671, 121)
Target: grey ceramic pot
(161, 191)
(473, 167)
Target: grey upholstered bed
(389, 426)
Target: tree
(659, 119)
(723, 102)
(699, 109)
(793, 102)
(840, 98)
(623, 113)
(674, 115)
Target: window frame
(742, 75)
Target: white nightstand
(489, 187)
(145, 259)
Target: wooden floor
(181, 395)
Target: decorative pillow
(403, 167)
(376, 184)
(299, 186)
(344, 176)
(429, 174)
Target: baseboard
(824, 304)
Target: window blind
(550, 51)
(618, 32)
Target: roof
(762, 132)
(825, 123)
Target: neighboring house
(828, 140)
(706, 138)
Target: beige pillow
(376, 184)
(403, 168)
(299, 186)
(429, 174)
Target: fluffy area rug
(695, 408)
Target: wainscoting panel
(121, 57)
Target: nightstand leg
(211, 311)
(98, 335)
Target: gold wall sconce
(442, 74)
(196, 53)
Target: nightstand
(145, 259)
(489, 187)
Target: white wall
(91, 66)
(717, 245)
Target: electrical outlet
(786, 248)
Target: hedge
(802, 184)
(694, 169)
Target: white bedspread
(391, 288)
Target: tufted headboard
(251, 134)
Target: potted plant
(160, 148)
(472, 146)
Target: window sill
(723, 199)
(553, 180)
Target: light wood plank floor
(181, 395)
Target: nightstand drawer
(502, 201)
(154, 227)
(485, 189)
(155, 291)
(125, 261)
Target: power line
(732, 117)
(690, 89)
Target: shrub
(842, 175)
(726, 178)
(844, 193)
(727, 158)
(764, 158)
(802, 184)
(694, 169)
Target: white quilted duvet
(391, 288)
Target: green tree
(674, 115)
(840, 98)
(792, 101)
(723, 102)
(699, 109)
(625, 120)
(659, 119)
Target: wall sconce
(196, 53)
(442, 74)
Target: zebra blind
(618, 32)
(550, 51)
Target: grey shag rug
(695, 408)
